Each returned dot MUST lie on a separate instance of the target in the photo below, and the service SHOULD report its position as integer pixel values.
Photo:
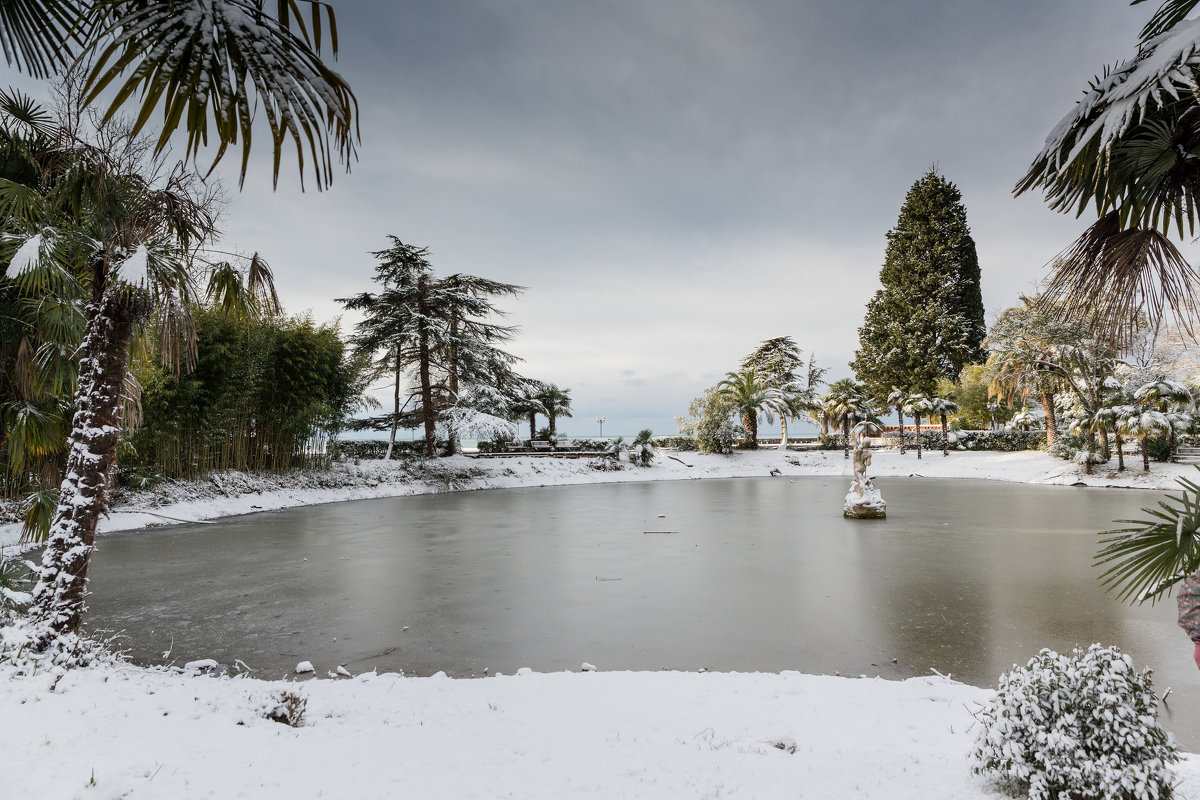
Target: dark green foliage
(367, 449)
(1159, 448)
(258, 393)
(1144, 561)
(927, 320)
(978, 410)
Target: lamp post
(601, 420)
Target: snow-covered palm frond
(33, 33)
(1162, 72)
(1162, 393)
(942, 405)
(1131, 149)
(196, 61)
(1145, 423)
(1024, 421)
(918, 404)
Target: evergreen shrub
(1159, 447)
(1077, 726)
(676, 442)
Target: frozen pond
(964, 577)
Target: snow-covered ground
(116, 730)
(237, 493)
(125, 732)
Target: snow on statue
(864, 501)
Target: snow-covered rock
(304, 667)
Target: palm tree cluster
(773, 380)
(1084, 383)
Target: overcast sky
(677, 180)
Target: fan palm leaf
(1145, 560)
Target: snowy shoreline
(231, 494)
(167, 732)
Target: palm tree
(1023, 345)
(777, 362)
(897, 398)
(195, 63)
(751, 397)
(919, 406)
(1142, 425)
(1127, 149)
(132, 233)
(557, 403)
(943, 406)
(1169, 397)
(847, 404)
(528, 405)
(1114, 418)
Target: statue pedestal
(864, 501)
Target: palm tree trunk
(1145, 453)
(1051, 420)
(532, 425)
(900, 416)
(846, 436)
(1102, 435)
(58, 597)
(552, 428)
(1120, 453)
(945, 438)
(917, 419)
(750, 422)
(783, 433)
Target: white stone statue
(864, 501)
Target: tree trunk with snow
(846, 436)
(1102, 435)
(395, 414)
(58, 596)
(1051, 420)
(453, 443)
(900, 416)
(426, 357)
(917, 420)
(1145, 453)
(945, 438)
(1120, 453)
(783, 433)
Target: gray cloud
(675, 181)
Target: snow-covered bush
(1065, 447)
(714, 435)
(1077, 726)
(284, 706)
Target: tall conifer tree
(927, 320)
